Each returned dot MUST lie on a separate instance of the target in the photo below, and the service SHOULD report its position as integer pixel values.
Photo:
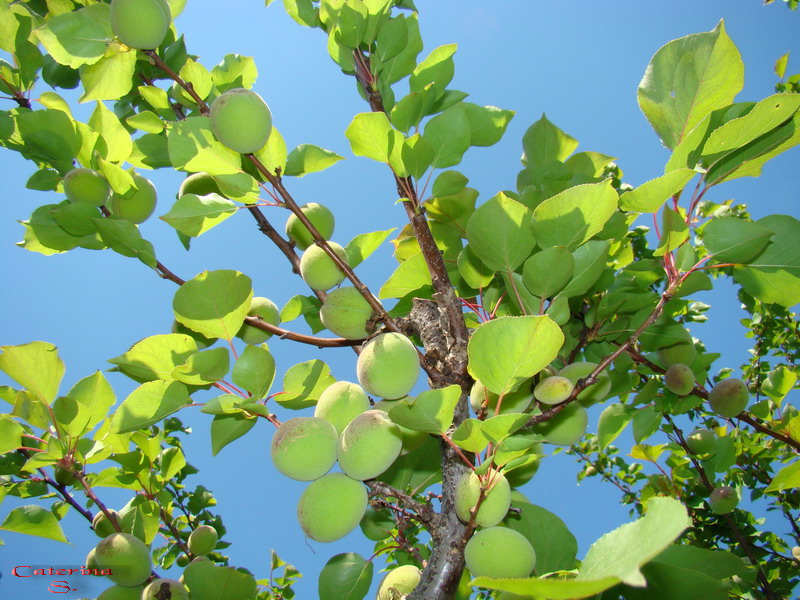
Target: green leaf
(543, 142)
(123, 237)
(436, 70)
(502, 352)
(499, 233)
(78, 38)
(345, 577)
(214, 303)
(476, 274)
(255, 370)
(786, 479)
(575, 215)
(172, 461)
(646, 422)
(203, 367)
(35, 366)
(148, 404)
(687, 79)
(34, 520)
(590, 262)
(613, 420)
(193, 148)
(273, 154)
(779, 383)
(235, 71)
(109, 78)
(431, 412)
(360, 247)
(207, 581)
(780, 65)
(470, 437)
(228, 428)
(50, 135)
(405, 61)
(448, 183)
(487, 123)
(370, 135)
(774, 276)
(304, 383)
(733, 240)
(117, 140)
(553, 542)
(417, 155)
(552, 589)
(498, 428)
(649, 196)
(411, 275)
(193, 215)
(10, 435)
(155, 357)
(674, 231)
(547, 272)
(307, 158)
(449, 135)
(302, 11)
(392, 38)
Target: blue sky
(579, 63)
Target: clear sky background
(580, 62)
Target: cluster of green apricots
(124, 558)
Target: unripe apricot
(101, 524)
(182, 560)
(126, 556)
(369, 445)
(566, 427)
(138, 203)
(340, 403)
(176, 590)
(729, 397)
(388, 366)
(517, 401)
(121, 592)
(331, 507)
(796, 553)
(596, 392)
(304, 448)
(499, 552)
(495, 504)
(203, 540)
(345, 312)
(723, 500)
(268, 311)
(679, 379)
(86, 185)
(398, 582)
(553, 390)
(141, 24)
(525, 469)
(318, 269)
(241, 120)
(701, 441)
(200, 184)
(321, 218)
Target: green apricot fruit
(701, 441)
(398, 582)
(495, 504)
(679, 379)
(138, 203)
(566, 427)
(199, 339)
(304, 448)
(553, 390)
(203, 540)
(411, 439)
(141, 24)
(121, 592)
(796, 553)
(199, 184)
(182, 560)
(268, 311)
(63, 476)
(723, 500)
(86, 185)
(318, 269)
(499, 552)
(241, 120)
(518, 401)
(102, 525)
(345, 312)
(176, 590)
(369, 445)
(681, 353)
(320, 216)
(596, 392)
(388, 366)
(126, 556)
(524, 470)
(729, 397)
(340, 403)
(331, 507)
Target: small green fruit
(241, 120)
(729, 397)
(388, 366)
(723, 500)
(63, 476)
(597, 392)
(340, 403)
(141, 24)
(566, 427)
(553, 390)
(120, 592)
(199, 184)
(304, 448)
(701, 441)
(182, 560)
(499, 552)
(517, 401)
(369, 445)
(495, 504)
(320, 216)
(398, 582)
(345, 312)
(126, 556)
(86, 185)
(796, 553)
(268, 311)
(679, 379)
(138, 203)
(203, 540)
(168, 588)
(331, 507)
(101, 524)
(524, 468)
(318, 269)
